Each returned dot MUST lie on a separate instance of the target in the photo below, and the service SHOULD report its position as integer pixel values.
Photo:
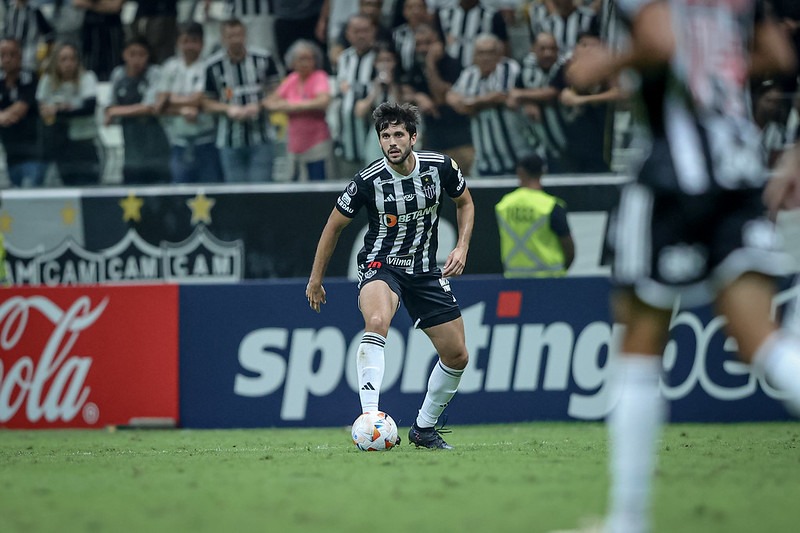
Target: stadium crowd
(207, 91)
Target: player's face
(396, 143)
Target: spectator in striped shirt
(426, 85)
(564, 19)
(258, 18)
(354, 75)
(536, 97)
(416, 13)
(27, 25)
(480, 93)
(461, 25)
(237, 80)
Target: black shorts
(668, 244)
(427, 297)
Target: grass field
(526, 477)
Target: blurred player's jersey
(403, 211)
(703, 137)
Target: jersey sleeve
(353, 197)
(452, 179)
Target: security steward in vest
(535, 239)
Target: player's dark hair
(392, 114)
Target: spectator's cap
(531, 165)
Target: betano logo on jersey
(389, 220)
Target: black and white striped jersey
(242, 83)
(354, 75)
(549, 131)
(697, 107)
(243, 8)
(403, 211)
(565, 30)
(462, 27)
(27, 25)
(495, 131)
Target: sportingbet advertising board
(87, 357)
(256, 355)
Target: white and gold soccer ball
(374, 431)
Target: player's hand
(783, 189)
(456, 261)
(315, 293)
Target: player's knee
(456, 360)
(377, 323)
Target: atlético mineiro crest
(428, 187)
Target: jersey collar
(396, 174)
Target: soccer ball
(374, 431)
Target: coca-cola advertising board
(86, 357)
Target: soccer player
(402, 193)
(693, 225)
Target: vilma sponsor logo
(52, 386)
(404, 261)
(546, 358)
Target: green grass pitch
(531, 477)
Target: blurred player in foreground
(693, 227)
(402, 194)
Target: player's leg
(747, 305)
(433, 307)
(635, 422)
(645, 225)
(378, 304)
(448, 339)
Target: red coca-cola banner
(88, 356)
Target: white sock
(634, 427)
(370, 366)
(442, 386)
(779, 358)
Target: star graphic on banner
(201, 208)
(5, 223)
(131, 208)
(68, 214)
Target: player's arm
(465, 214)
(652, 45)
(315, 292)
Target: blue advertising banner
(255, 355)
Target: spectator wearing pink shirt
(304, 96)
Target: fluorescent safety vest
(528, 246)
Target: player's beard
(403, 156)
